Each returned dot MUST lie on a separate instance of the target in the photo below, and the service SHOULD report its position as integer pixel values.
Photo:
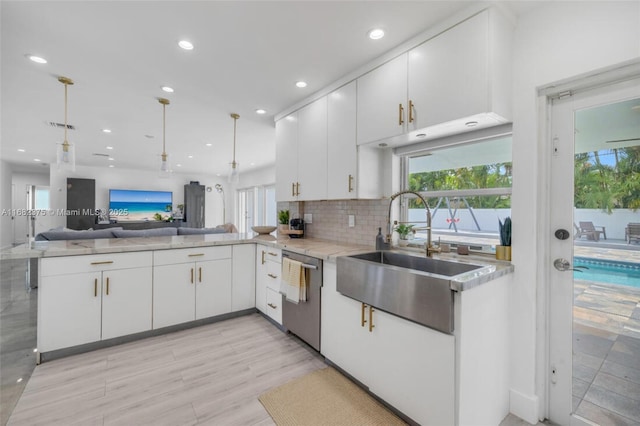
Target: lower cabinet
(244, 277)
(84, 299)
(407, 365)
(186, 289)
(268, 270)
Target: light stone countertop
(328, 251)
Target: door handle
(200, 274)
(350, 183)
(107, 286)
(400, 115)
(362, 320)
(410, 111)
(371, 326)
(564, 265)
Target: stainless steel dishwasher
(303, 318)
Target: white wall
(554, 41)
(259, 177)
(6, 225)
(136, 179)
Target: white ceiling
(247, 55)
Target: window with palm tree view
(468, 189)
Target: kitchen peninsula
(96, 293)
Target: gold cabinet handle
(371, 326)
(200, 274)
(191, 275)
(272, 306)
(293, 189)
(107, 286)
(350, 183)
(106, 262)
(362, 320)
(272, 276)
(411, 111)
(263, 256)
(196, 254)
(272, 253)
(95, 288)
(297, 188)
(400, 115)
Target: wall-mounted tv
(133, 205)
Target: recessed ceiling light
(167, 89)
(209, 144)
(21, 150)
(111, 165)
(112, 159)
(301, 84)
(217, 174)
(37, 59)
(37, 160)
(109, 147)
(261, 111)
(471, 123)
(149, 136)
(376, 34)
(189, 156)
(178, 165)
(186, 45)
(252, 164)
(106, 130)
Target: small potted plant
(503, 251)
(405, 232)
(283, 220)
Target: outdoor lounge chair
(591, 231)
(632, 232)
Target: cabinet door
(174, 293)
(274, 305)
(69, 311)
(286, 157)
(213, 288)
(448, 75)
(341, 143)
(424, 388)
(345, 341)
(312, 151)
(244, 277)
(380, 92)
(261, 278)
(126, 301)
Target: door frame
(607, 77)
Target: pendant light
(65, 152)
(165, 169)
(234, 172)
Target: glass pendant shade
(165, 167)
(66, 156)
(234, 172)
(65, 152)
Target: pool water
(605, 271)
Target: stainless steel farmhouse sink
(416, 288)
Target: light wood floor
(207, 375)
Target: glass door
(594, 196)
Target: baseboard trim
(524, 406)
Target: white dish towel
(294, 282)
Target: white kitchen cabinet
(457, 77)
(84, 299)
(191, 284)
(382, 101)
(268, 270)
(460, 73)
(301, 154)
(244, 277)
(409, 366)
(287, 157)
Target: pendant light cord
(235, 120)
(164, 121)
(65, 112)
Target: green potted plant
(503, 251)
(405, 232)
(283, 220)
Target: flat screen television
(134, 205)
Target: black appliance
(296, 225)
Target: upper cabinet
(301, 154)
(456, 81)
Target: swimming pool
(608, 271)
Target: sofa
(58, 234)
